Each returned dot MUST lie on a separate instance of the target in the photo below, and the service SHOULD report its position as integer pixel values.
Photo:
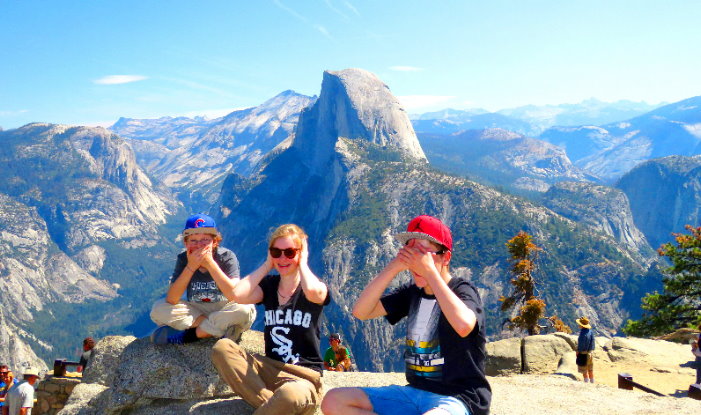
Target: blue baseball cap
(200, 223)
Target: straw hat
(31, 372)
(583, 323)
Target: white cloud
(352, 8)
(323, 31)
(413, 102)
(119, 79)
(12, 113)
(400, 68)
(289, 10)
(335, 10)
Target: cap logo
(417, 227)
(199, 222)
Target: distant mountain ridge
(193, 156)
(530, 120)
(611, 150)
(587, 112)
(500, 157)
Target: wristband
(191, 270)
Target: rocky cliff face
(605, 209)
(352, 192)
(67, 194)
(503, 158)
(355, 104)
(665, 195)
(84, 182)
(193, 156)
(308, 175)
(35, 272)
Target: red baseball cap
(429, 228)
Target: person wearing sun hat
(445, 340)
(20, 399)
(207, 274)
(585, 346)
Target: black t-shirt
(202, 287)
(292, 333)
(437, 359)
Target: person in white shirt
(20, 399)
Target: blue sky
(91, 62)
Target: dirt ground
(671, 381)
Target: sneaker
(167, 335)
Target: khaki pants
(273, 387)
(590, 363)
(220, 316)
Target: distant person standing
(585, 346)
(7, 381)
(88, 345)
(20, 399)
(207, 273)
(337, 357)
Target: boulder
(660, 355)
(129, 375)
(542, 354)
(567, 366)
(504, 357)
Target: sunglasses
(289, 252)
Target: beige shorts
(589, 366)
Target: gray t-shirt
(20, 396)
(202, 288)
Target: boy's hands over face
(418, 258)
(200, 257)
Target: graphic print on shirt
(423, 351)
(279, 334)
(205, 292)
(285, 345)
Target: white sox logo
(285, 349)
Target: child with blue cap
(208, 274)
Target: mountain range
(609, 151)
(350, 168)
(75, 208)
(530, 120)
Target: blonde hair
(291, 230)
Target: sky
(91, 62)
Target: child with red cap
(445, 340)
(209, 273)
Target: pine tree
(679, 303)
(523, 255)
